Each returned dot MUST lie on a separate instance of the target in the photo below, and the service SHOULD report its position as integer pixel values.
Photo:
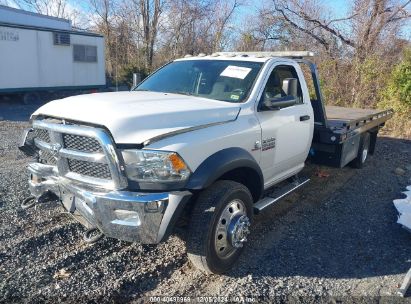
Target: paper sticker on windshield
(235, 72)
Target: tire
(363, 151)
(211, 222)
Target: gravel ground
(334, 241)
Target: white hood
(134, 117)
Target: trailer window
(84, 53)
(61, 38)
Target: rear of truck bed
(338, 137)
(339, 131)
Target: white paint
(403, 207)
(18, 16)
(293, 137)
(235, 72)
(34, 61)
(29, 58)
(405, 284)
(134, 117)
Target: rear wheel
(363, 151)
(219, 226)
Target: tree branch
(320, 24)
(306, 31)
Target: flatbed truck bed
(351, 118)
(337, 138)
(339, 131)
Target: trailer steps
(278, 193)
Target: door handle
(304, 117)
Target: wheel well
(246, 176)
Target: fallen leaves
(61, 274)
(322, 173)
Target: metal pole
(116, 63)
(136, 79)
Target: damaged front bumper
(138, 217)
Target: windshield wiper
(181, 93)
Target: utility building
(40, 53)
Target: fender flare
(221, 162)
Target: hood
(135, 117)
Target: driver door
(287, 131)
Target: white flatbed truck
(208, 139)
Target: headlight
(155, 166)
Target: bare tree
(192, 27)
(223, 12)
(364, 36)
(367, 21)
(374, 20)
(263, 31)
(57, 8)
(187, 28)
(150, 11)
(102, 12)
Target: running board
(278, 194)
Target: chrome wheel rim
(232, 229)
(364, 155)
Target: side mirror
(290, 86)
(279, 103)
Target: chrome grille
(47, 158)
(81, 143)
(42, 135)
(89, 169)
(83, 153)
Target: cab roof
(250, 56)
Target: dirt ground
(335, 240)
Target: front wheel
(219, 226)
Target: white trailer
(42, 53)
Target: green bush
(125, 75)
(397, 95)
(399, 84)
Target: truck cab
(208, 139)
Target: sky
(338, 9)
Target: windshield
(225, 80)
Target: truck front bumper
(130, 216)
